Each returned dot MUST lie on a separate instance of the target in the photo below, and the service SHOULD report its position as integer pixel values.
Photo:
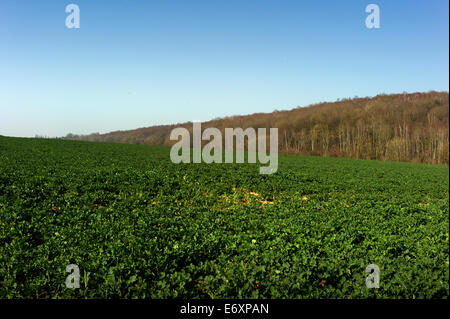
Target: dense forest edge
(411, 127)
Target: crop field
(139, 226)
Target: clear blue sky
(140, 63)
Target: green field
(139, 226)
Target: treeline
(398, 127)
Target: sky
(136, 63)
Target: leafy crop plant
(139, 226)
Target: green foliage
(139, 226)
